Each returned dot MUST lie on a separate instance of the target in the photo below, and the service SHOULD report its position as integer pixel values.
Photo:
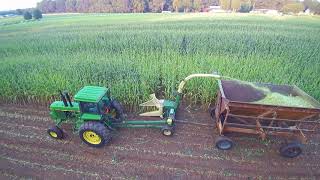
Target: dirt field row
(26, 151)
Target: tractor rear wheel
(55, 132)
(117, 110)
(94, 134)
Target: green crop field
(138, 54)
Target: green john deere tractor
(95, 114)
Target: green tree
(27, 15)
(19, 11)
(37, 14)
(245, 7)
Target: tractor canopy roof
(91, 94)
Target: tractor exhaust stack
(63, 98)
(66, 94)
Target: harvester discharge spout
(182, 83)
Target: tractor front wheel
(94, 134)
(55, 132)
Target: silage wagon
(238, 110)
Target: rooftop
(90, 94)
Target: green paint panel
(59, 106)
(139, 126)
(169, 104)
(87, 116)
(91, 94)
(144, 122)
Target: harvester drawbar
(95, 114)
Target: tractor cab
(95, 103)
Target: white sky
(16, 4)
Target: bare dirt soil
(26, 151)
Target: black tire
(94, 134)
(213, 113)
(119, 110)
(55, 132)
(167, 130)
(291, 150)
(224, 143)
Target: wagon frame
(234, 115)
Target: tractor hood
(59, 106)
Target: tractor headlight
(169, 121)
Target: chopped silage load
(274, 98)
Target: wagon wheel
(291, 150)
(55, 132)
(168, 130)
(224, 143)
(213, 112)
(94, 134)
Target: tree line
(138, 6)
(36, 14)
(123, 6)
